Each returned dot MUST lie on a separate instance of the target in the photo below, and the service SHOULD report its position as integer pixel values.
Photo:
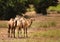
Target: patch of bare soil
(3, 33)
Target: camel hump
(11, 19)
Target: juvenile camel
(26, 23)
(11, 28)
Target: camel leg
(18, 33)
(14, 32)
(21, 33)
(26, 32)
(9, 31)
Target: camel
(26, 23)
(18, 26)
(11, 28)
(12, 24)
(21, 23)
(18, 23)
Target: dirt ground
(4, 34)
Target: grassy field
(43, 29)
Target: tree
(10, 8)
(42, 5)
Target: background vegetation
(10, 8)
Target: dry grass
(43, 29)
(3, 24)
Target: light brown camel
(18, 24)
(26, 23)
(23, 23)
(11, 28)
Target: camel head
(32, 19)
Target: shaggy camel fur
(11, 27)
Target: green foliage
(42, 6)
(57, 8)
(36, 1)
(31, 8)
(10, 8)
